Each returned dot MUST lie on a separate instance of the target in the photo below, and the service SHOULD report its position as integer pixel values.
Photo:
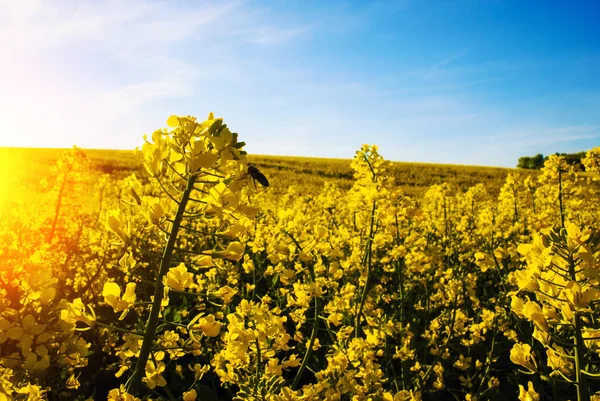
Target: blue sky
(467, 82)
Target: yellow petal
(173, 121)
(203, 261)
(129, 295)
(190, 395)
(111, 289)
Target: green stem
(489, 359)
(582, 390)
(58, 205)
(309, 349)
(581, 379)
(560, 199)
(135, 380)
(365, 290)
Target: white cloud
(137, 51)
(269, 35)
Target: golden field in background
(412, 178)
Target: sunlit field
(176, 272)
(413, 178)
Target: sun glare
(10, 173)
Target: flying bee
(256, 175)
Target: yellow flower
(34, 393)
(114, 223)
(155, 153)
(335, 319)
(482, 261)
(199, 370)
(205, 159)
(234, 230)
(320, 231)
(405, 395)
(557, 362)
(533, 312)
(520, 354)
(75, 312)
(203, 261)
(190, 395)
(73, 383)
(208, 325)
(234, 251)
(154, 375)
(528, 395)
(293, 362)
(173, 121)
(121, 394)
(155, 212)
(542, 336)
(575, 237)
(517, 305)
(112, 296)
(578, 298)
(226, 293)
(525, 281)
(127, 262)
(463, 363)
(26, 332)
(178, 278)
(33, 364)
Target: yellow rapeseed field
(176, 273)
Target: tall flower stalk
(200, 171)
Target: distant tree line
(537, 162)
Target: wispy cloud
(565, 134)
(267, 35)
(440, 68)
(138, 47)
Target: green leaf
(215, 126)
